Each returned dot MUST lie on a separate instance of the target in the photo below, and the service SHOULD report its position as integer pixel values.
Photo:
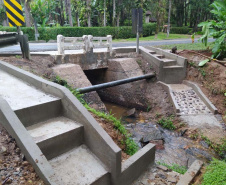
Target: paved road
(39, 47)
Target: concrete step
(173, 67)
(57, 136)
(169, 62)
(80, 167)
(159, 56)
(152, 52)
(39, 113)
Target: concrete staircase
(61, 140)
(170, 68)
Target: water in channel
(172, 148)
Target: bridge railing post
(109, 43)
(91, 45)
(85, 43)
(60, 44)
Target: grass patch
(195, 46)
(215, 173)
(161, 36)
(131, 146)
(174, 167)
(167, 122)
(220, 149)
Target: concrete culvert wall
(76, 78)
(129, 95)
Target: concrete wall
(87, 61)
(167, 74)
(76, 78)
(131, 94)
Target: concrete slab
(201, 120)
(78, 167)
(21, 95)
(51, 128)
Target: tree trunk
(61, 13)
(88, 13)
(27, 10)
(168, 28)
(105, 13)
(69, 12)
(114, 12)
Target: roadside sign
(137, 20)
(14, 12)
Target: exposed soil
(14, 169)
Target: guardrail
(87, 43)
(12, 38)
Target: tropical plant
(216, 29)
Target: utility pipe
(114, 83)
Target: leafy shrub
(180, 30)
(215, 173)
(216, 29)
(175, 167)
(50, 33)
(167, 123)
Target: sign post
(137, 23)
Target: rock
(131, 113)
(161, 175)
(165, 169)
(3, 150)
(171, 179)
(159, 144)
(154, 134)
(25, 163)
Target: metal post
(138, 35)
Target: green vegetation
(131, 146)
(174, 167)
(215, 173)
(216, 28)
(167, 123)
(48, 33)
(195, 46)
(220, 149)
(180, 30)
(161, 36)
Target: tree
(88, 4)
(169, 14)
(27, 10)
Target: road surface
(39, 47)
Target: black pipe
(114, 83)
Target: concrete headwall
(131, 94)
(76, 78)
(87, 61)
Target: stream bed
(171, 147)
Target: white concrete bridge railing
(87, 43)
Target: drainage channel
(171, 147)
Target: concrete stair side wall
(168, 74)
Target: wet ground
(172, 148)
